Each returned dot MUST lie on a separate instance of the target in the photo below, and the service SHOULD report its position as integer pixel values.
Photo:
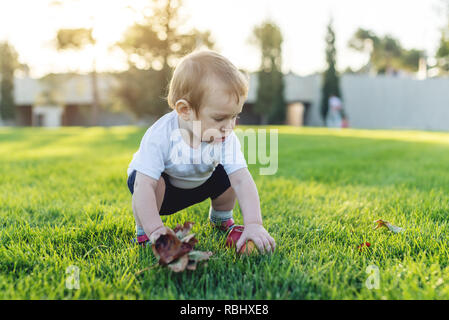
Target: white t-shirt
(163, 149)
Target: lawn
(64, 202)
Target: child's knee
(225, 201)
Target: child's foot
(223, 225)
(143, 241)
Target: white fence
(381, 102)
(376, 102)
(390, 103)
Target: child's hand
(159, 232)
(260, 237)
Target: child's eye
(218, 120)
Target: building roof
(77, 89)
(71, 89)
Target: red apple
(234, 235)
(248, 248)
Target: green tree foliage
(140, 91)
(331, 81)
(79, 39)
(8, 65)
(270, 103)
(153, 48)
(386, 53)
(442, 54)
(74, 39)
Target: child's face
(218, 113)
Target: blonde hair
(191, 78)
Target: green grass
(64, 201)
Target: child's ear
(183, 109)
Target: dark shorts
(176, 199)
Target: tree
(153, 48)
(79, 39)
(8, 65)
(270, 103)
(386, 53)
(140, 91)
(442, 54)
(331, 81)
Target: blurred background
(346, 63)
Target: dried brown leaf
(175, 249)
(188, 237)
(382, 223)
(199, 255)
(192, 265)
(169, 248)
(180, 264)
(182, 231)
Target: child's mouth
(217, 139)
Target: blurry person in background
(336, 117)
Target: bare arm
(145, 206)
(243, 184)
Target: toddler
(192, 153)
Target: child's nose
(229, 126)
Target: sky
(31, 25)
